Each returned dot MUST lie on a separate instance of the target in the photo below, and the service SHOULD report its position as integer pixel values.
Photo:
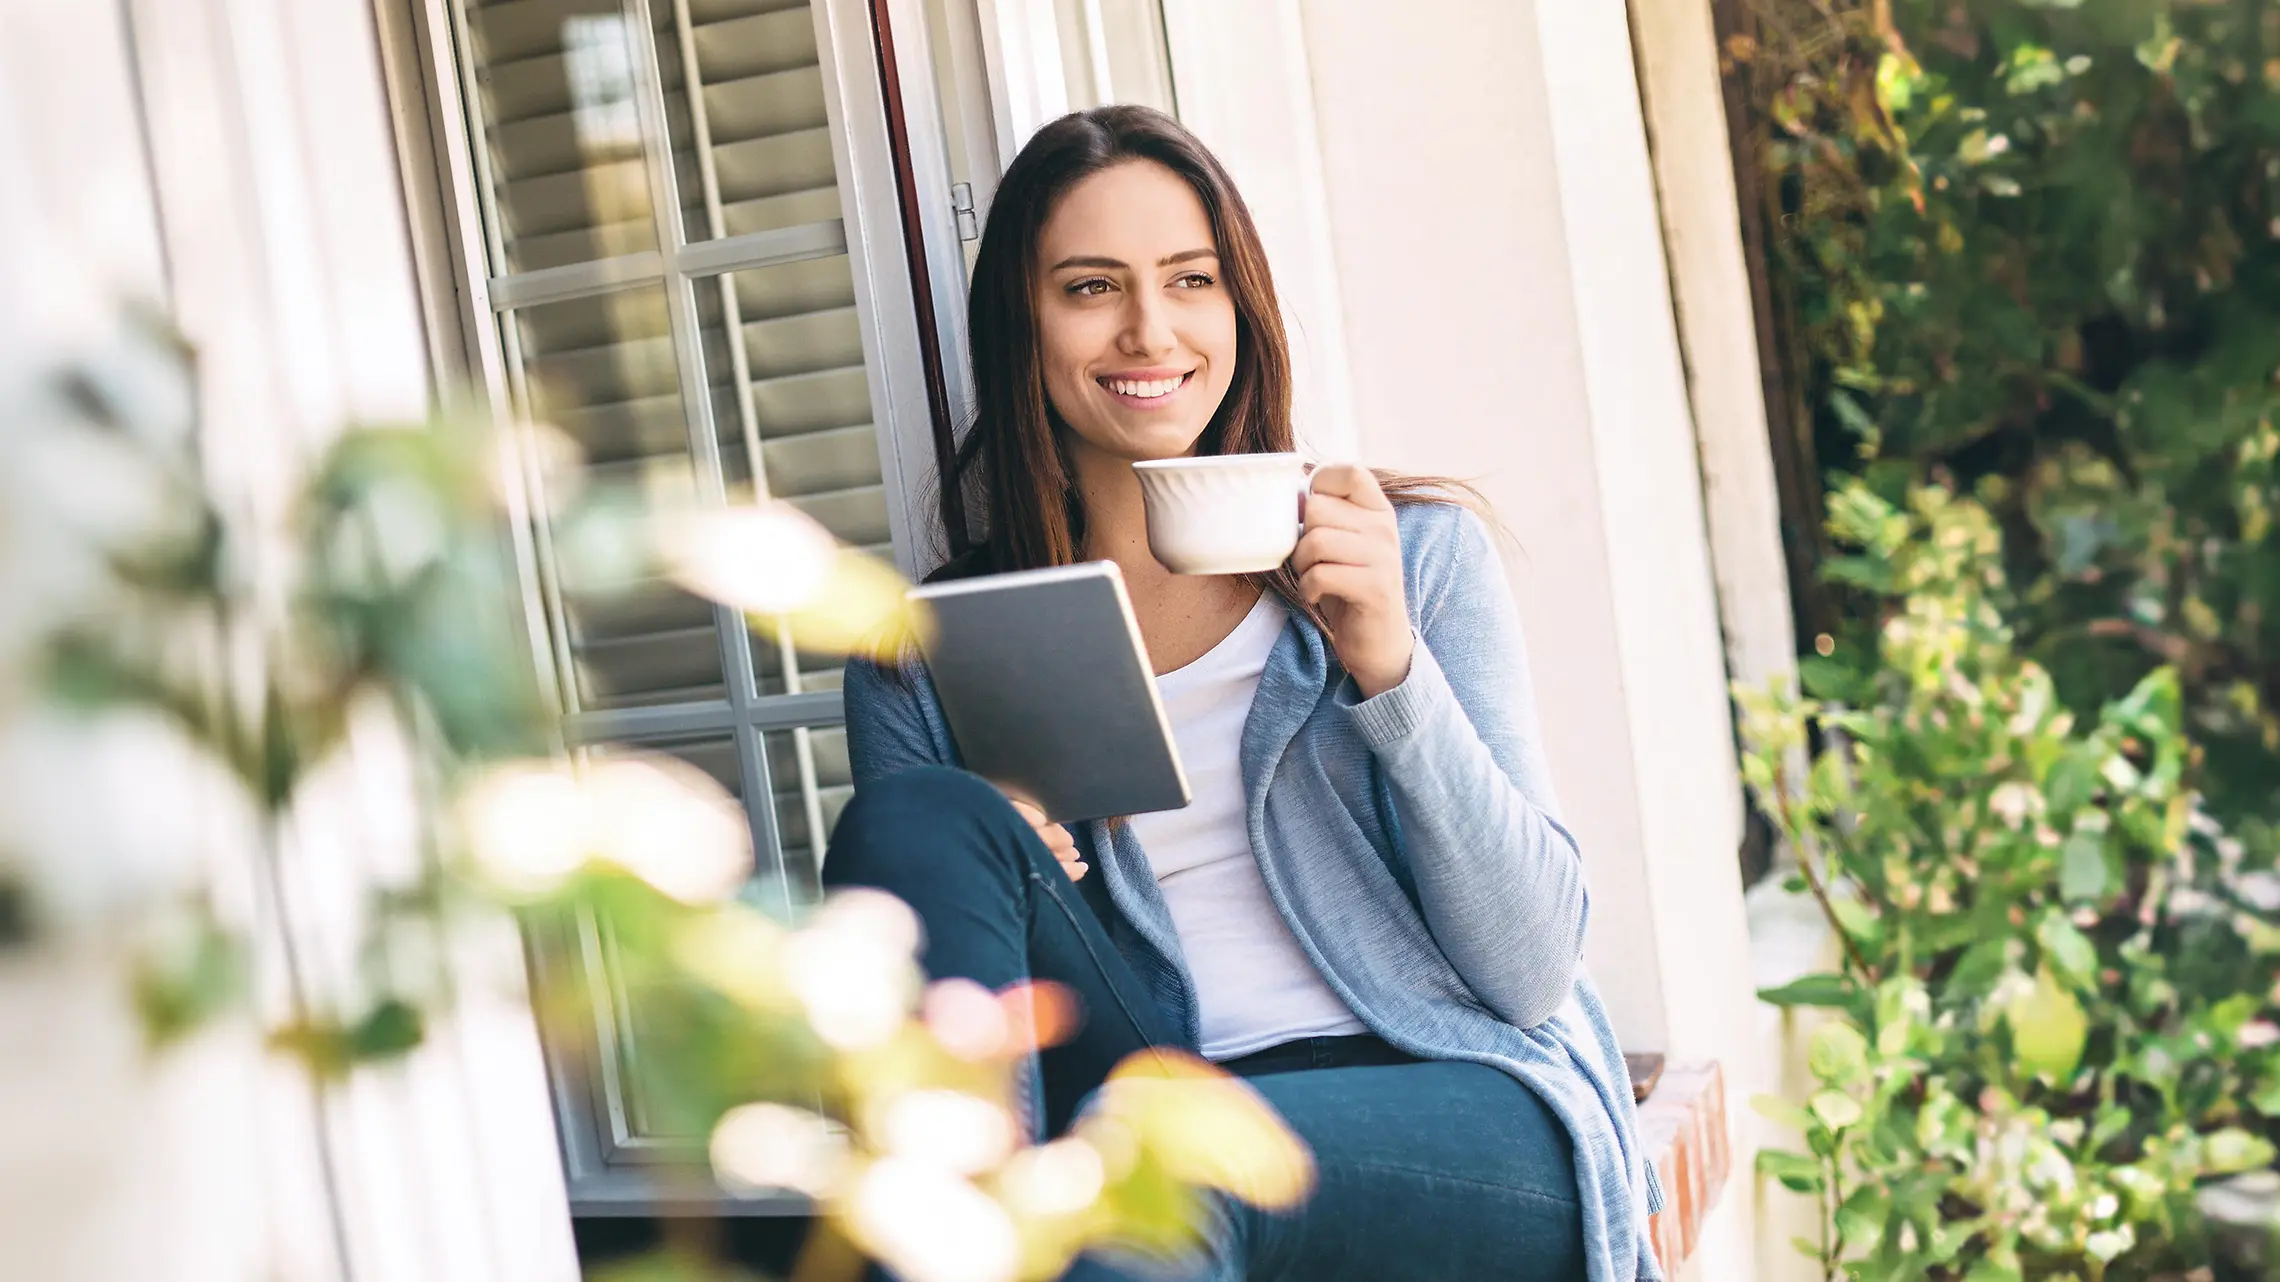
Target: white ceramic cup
(1224, 513)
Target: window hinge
(962, 210)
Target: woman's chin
(1156, 441)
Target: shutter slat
(803, 342)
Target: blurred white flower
(2013, 802)
(929, 1225)
(673, 826)
(532, 825)
(966, 1018)
(1060, 1178)
(2106, 1244)
(873, 915)
(526, 827)
(949, 1129)
(771, 559)
(111, 812)
(761, 1147)
(851, 968)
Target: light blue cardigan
(1409, 840)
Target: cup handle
(1305, 492)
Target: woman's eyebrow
(1111, 264)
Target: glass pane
(562, 130)
(602, 370)
(751, 143)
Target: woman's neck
(1181, 615)
(1116, 518)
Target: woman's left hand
(1349, 566)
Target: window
(689, 236)
(685, 238)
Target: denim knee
(932, 809)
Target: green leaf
(1860, 1220)
(1795, 1170)
(2068, 949)
(1859, 921)
(2048, 1029)
(1812, 990)
(2082, 868)
(387, 1030)
(176, 989)
(1836, 1052)
(2267, 1096)
(2233, 1150)
(1836, 1109)
(2071, 783)
(1989, 1271)
(1977, 970)
(1831, 679)
(1781, 1112)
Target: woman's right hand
(1055, 837)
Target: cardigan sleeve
(1500, 881)
(886, 729)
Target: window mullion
(737, 671)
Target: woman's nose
(1147, 326)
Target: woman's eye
(1195, 280)
(1089, 288)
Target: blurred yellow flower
(737, 951)
(778, 565)
(1062, 1178)
(1207, 1127)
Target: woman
(1369, 910)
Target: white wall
(1508, 317)
(268, 176)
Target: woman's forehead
(1135, 212)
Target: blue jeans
(1436, 1171)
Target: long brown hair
(1012, 470)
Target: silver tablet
(1048, 690)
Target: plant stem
(1831, 1265)
(1813, 880)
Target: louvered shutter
(782, 356)
(660, 189)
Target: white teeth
(1148, 390)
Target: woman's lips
(1145, 393)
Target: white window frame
(609, 1169)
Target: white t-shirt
(1254, 984)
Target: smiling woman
(1369, 908)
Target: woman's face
(1137, 326)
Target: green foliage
(2055, 1013)
(2031, 249)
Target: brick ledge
(1682, 1128)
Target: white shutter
(557, 83)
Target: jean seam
(1132, 1017)
(1389, 1168)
